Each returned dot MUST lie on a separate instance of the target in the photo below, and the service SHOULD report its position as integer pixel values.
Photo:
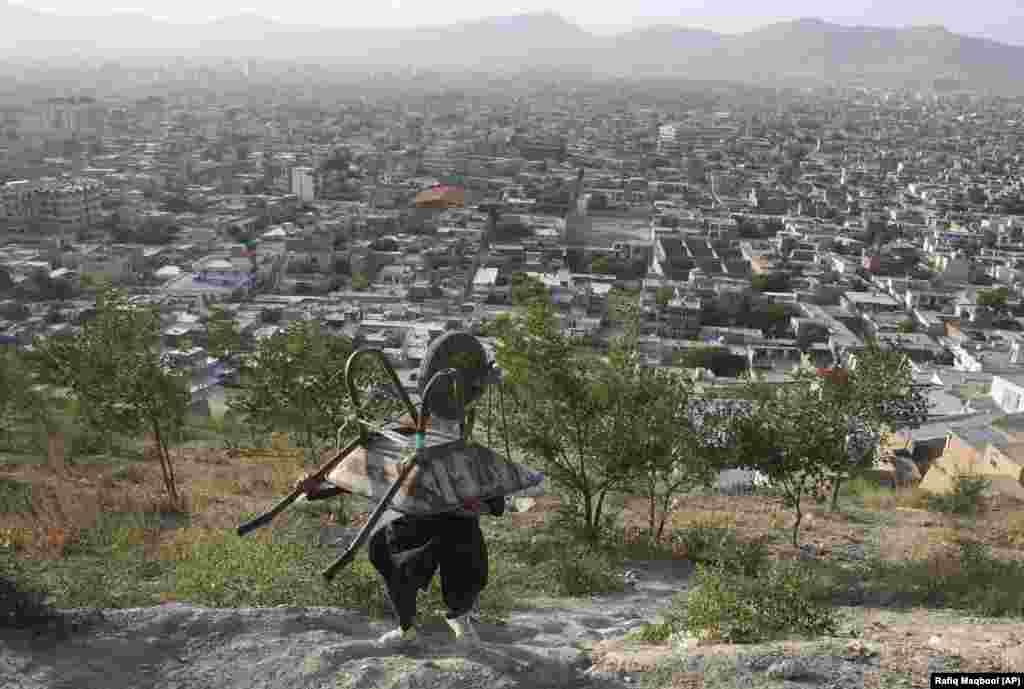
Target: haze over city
(998, 19)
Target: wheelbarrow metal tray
(449, 472)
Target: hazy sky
(723, 15)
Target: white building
(304, 184)
(667, 142)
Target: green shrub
(542, 563)
(580, 571)
(571, 524)
(112, 534)
(652, 633)
(987, 586)
(973, 581)
(720, 547)
(966, 497)
(866, 490)
(730, 607)
(249, 572)
(15, 496)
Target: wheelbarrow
(409, 464)
(366, 429)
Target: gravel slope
(179, 646)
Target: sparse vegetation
(604, 432)
(721, 548)
(118, 378)
(294, 383)
(964, 576)
(724, 606)
(965, 499)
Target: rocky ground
(565, 643)
(178, 646)
(555, 643)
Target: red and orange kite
(442, 196)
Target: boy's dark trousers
(409, 550)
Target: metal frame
(419, 417)
(421, 421)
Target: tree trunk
(836, 483)
(55, 453)
(796, 524)
(598, 511)
(653, 515)
(666, 507)
(165, 465)
(588, 510)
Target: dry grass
(687, 680)
(66, 504)
(707, 519)
(886, 500)
(1015, 530)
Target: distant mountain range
(807, 50)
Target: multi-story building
(52, 205)
(16, 201)
(305, 184)
(668, 143)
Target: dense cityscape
(712, 348)
(759, 227)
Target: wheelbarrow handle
(353, 549)
(281, 506)
(364, 533)
(350, 382)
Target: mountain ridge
(808, 49)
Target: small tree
(17, 397)
(652, 427)
(879, 397)
(720, 360)
(222, 336)
(525, 289)
(672, 447)
(792, 435)
(663, 296)
(774, 282)
(116, 374)
(600, 266)
(994, 299)
(360, 282)
(564, 401)
(294, 380)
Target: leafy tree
(95, 282)
(294, 381)
(879, 396)
(774, 282)
(792, 435)
(222, 336)
(601, 266)
(907, 326)
(650, 423)
(527, 289)
(719, 360)
(564, 400)
(15, 388)
(360, 282)
(773, 319)
(994, 299)
(115, 373)
(663, 296)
